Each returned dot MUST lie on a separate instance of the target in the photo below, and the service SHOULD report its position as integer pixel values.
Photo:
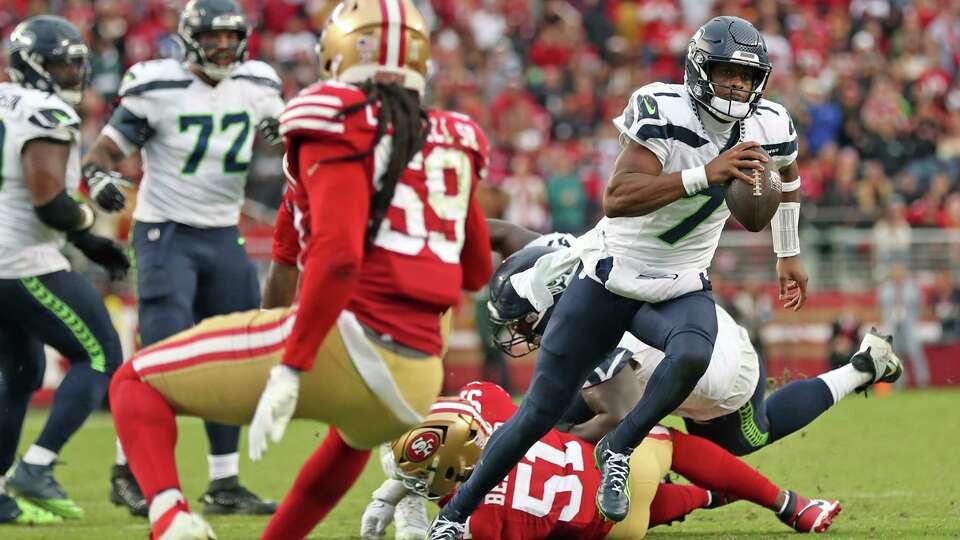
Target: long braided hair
(400, 109)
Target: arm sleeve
(286, 243)
(128, 129)
(475, 256)
(785, 151)
(340, 192)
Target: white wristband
(787, 187)
(785, 226)
(694, 180)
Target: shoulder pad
(316, 110)
(259, 73)
(47, 111)
(154, 75)
(659, 112)
(466, 132)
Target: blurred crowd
(872, 86)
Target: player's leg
(685, 329)
(711, 467)
(586, 324)
(166, 284)
(22, 365)
(227, 283)
(147, 427)
(648, 465)
(65, 311)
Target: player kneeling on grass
(386, 241)
(547, 494)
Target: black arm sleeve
(135, 129)
(65, 214)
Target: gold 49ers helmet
(366, 38)
(440, 453)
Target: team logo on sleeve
(423, 446)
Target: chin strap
(785, 227)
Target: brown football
(754, 206)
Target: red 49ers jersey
(549, 494)
(412, 271)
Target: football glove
(270, 130)
(103, 251)
(375, 520)
(105, 187)
(275, 409)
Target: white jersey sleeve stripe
(330, 101)
(308, 110)
(306, 123)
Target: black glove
(103, 251)
(270, 130)
(105, 187)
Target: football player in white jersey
(41, 300)
(194, 123)
(683, 144)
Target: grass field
(893, 462)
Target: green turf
(891, 461)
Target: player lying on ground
(547, 494)
(398, 235)
(727, 405)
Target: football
(754, 206)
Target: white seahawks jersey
(28, 247)
(197, 139)
(683, 235)
(556, 239)
(731, 377)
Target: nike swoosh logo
(671, 276)
(646, 105)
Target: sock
(160, 509)
(223, 466)
(81, 392)
(3, 484)
(709, 466)
(844, 380)
(121, 456)
(322, 481)
(674, 501)
(147, 428)
(38, 455)
(796, 405)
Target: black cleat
(227, 496)
(125, 491)
(877, 358)
(613, 495)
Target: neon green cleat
(20, 512)
(36, 484)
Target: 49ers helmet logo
(423, 446)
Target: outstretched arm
(786, 243)
(611, 401)
(507, 238)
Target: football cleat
(445, 529)
(124, 491)
(877, 358)
(410, 518)
(36, 484)
(179, 523)
(227, 496)
(613, 495)
(809, 515)
(20, 512)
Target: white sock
(223, 466)
(38, 455)
(163, 501)
(3, 484)
(844, 380)
(121, 456)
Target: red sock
(673, 501)
(322, 481)
(707, 465)
(147, 428)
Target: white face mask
(216, 71)
(738, 110)
(72, 97)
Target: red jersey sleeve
(286, 244)
(338, 191)
(492, 402)
(475, 257)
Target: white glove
(275, 409)
(376, 518)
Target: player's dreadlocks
(400, 109)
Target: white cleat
(411, 518)
(877, 358)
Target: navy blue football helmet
(48, 53)
(207, 16)
(726, 40)
(515, 321)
